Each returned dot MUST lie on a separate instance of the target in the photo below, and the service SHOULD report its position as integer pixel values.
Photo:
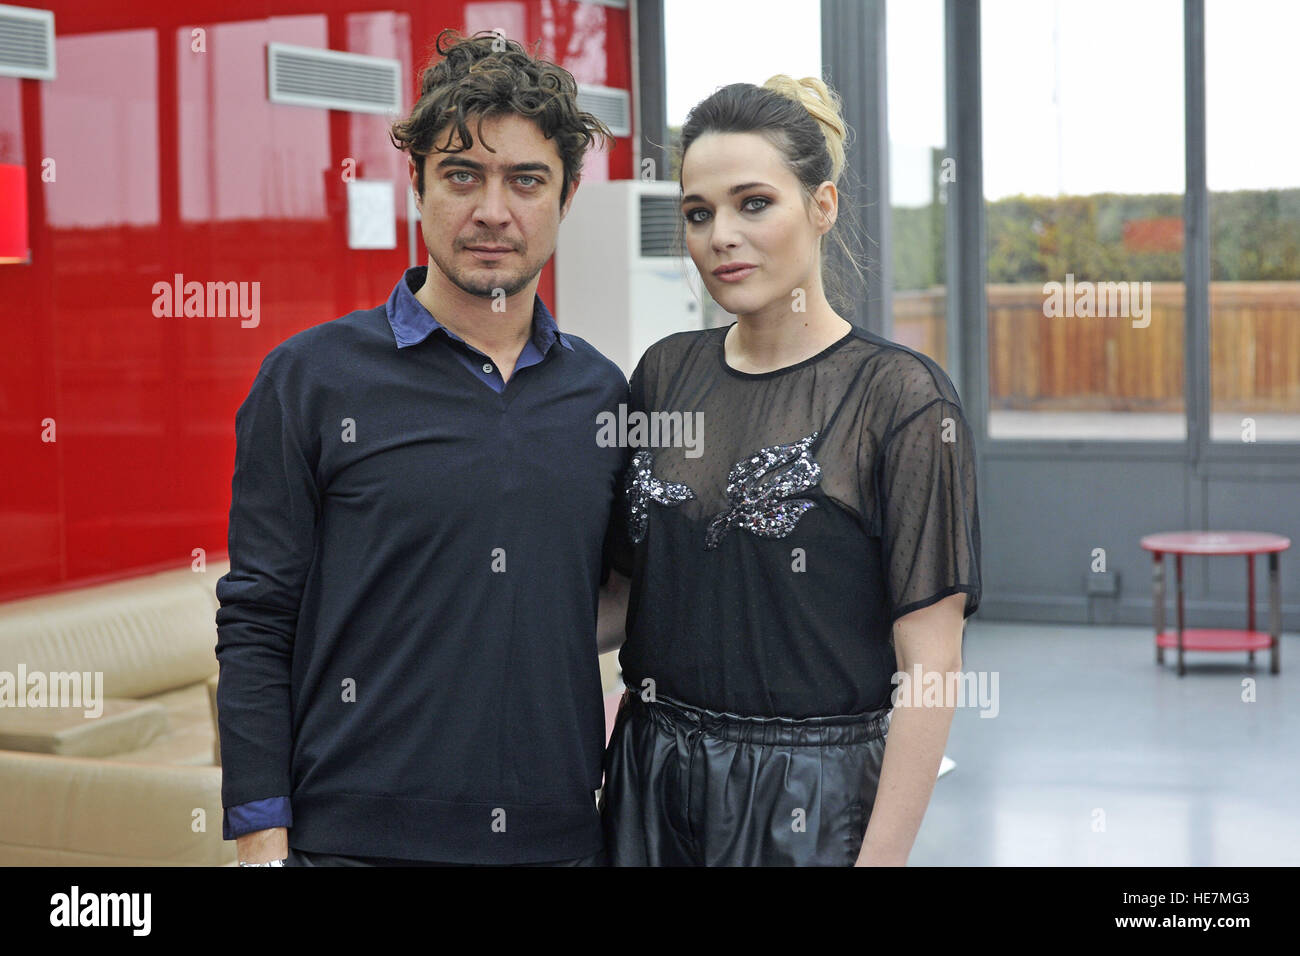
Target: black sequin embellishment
(761, 495)
(643, 487)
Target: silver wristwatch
(268, 863)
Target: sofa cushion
(124, 725)
(77, 811)
(146, 635)
(190, 733)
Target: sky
(1080, 96)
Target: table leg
(1250, 599)
(1178, 571)
(1158, 585)
(1274, 612)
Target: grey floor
(1099, 757)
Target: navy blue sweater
(407, 631)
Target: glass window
(1252, 141)
(919, 174)
(1083, 183)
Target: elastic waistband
(786, 731)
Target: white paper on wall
(372, 215)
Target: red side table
(1249, 543)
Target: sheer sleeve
(930, 534)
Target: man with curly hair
(419, 524)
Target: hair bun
(824, 105)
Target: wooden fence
(1080, 363)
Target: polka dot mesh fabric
(775, 525)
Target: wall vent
(26, 42)
(658, 225)
(328, 79)
(611, 106)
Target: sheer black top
(772, 545)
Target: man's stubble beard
(479, 289)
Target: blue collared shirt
(412, 323)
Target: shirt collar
(412, 323)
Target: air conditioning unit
(618, 282)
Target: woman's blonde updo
(824, 105)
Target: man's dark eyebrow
(455, 161)
(730, 192)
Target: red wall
(166, 161)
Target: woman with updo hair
(821, 539)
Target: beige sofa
(139, 784)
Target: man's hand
(262, 846)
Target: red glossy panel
(163, 157)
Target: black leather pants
(692, 787)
